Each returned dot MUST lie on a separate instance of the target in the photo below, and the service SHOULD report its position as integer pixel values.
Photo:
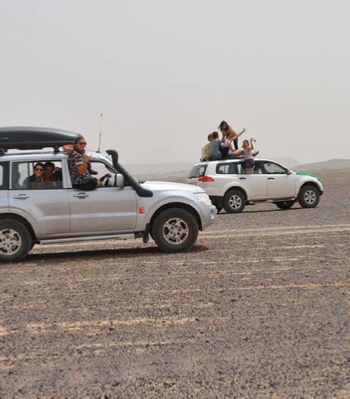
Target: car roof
(32, 155)
(34, 138)
(42, 155)
(236, 160)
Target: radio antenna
(99, 137)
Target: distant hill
(325, 165)
(155, 168)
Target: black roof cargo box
(34, 138)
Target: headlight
(204, 197)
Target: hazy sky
(166, 72)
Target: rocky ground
(259, 308)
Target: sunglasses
(82, 143)
(39, 169)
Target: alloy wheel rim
(175, 231)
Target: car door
(280, 183)
(104, 210)
(46, 206)
(254, 184)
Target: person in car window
(36, 180)
(248, 148)
(52, 175)
(49, 172)
(78, 165)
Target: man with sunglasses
(79, 166)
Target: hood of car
(310, 174)
(170, 186)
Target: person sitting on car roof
(205, 149)
(226, 129)
(214, 147)
(232, 152)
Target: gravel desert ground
(259, 308)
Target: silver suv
(229, 186)
(171, 213)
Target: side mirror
(119, 180)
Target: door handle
(21, 196)
(242, 178)
(270, 178)
(81, 195)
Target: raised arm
(67, 147)
(251, 144)
(240, 133)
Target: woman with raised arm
(248, 148)
(226, 129)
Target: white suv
(171, 213)
(229, 186)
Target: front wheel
(234, 201)
(284, 205)
(175, 230)
(15, 241)
(309, 197)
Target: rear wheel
(285, 204)
(309, 197)
(175, 230)
(15, 241)
(234, 201)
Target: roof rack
(34, 138)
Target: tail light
(206, 179)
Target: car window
(257, 168)
(272, 168)
(23, 176)
(241, 168)
(1, 176)
(197, 171)
(226, 168)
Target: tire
(309, 197)
(175, 230)
(234, 201)
(285, 204)
(15, 241)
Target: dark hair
(215, 135)
(51, 164)
(222, 124)
(78, 139)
